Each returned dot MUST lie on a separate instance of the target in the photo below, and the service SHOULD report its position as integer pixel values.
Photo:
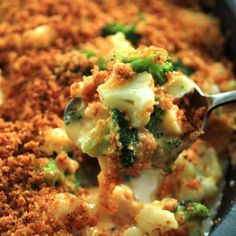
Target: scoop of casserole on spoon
(139, 112)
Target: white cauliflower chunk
(56, 140)
(91, 231)
(149, 180)
(133, 231)
(63, 204)
(128, 207)
(39, 37)
(179, 86)
(120, 43)
(135, 97)
(207, 172)
(153, 220)
(171, 122)
(108, 46)
(89, 132)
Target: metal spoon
(198, 99)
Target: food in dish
(132, 113)
(47, 184)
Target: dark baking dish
(226, 11)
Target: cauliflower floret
(109, 45)
(128, 208)
(172, 122)
(66, 164)
(153, 220)
(120, 43)
(39, 37)
(56, 140)
(135, 97)
(91, 231)
(149, 180)
(179, 85)
(89, 131)
(201, 175)
(133, 231)
(63, 204)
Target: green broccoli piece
(158, 71)
(180, 66)
(54, 176)
(155, 120)
(102, 63)
(87, 53)
(188, 211)
(73, 182)
(128, 138)
(128, 157)
(129, 31)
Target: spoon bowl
(196, 98)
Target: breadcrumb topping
(41, 56)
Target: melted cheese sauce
(146, 185)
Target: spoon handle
(220, 99)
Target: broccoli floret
(52, 174)
(128, 138)
(158, 71)
(188, 211)
(55, 176)
(180, 66)
(73, 182)
(129, 31)
(127, 157)
(102, 63)
(135, 97)
(155, 120)
(87, 53)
